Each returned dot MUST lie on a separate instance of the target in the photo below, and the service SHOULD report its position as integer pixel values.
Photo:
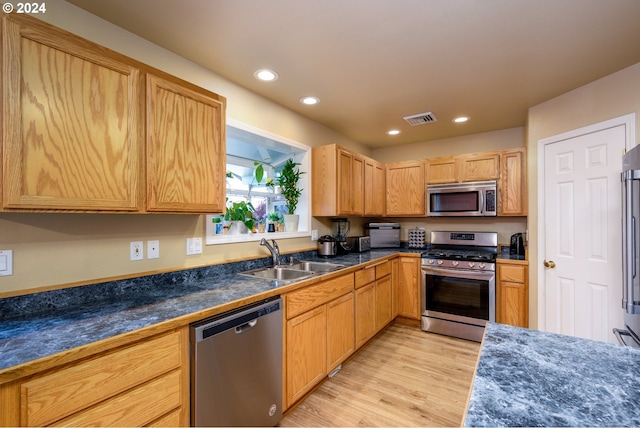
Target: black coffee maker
(341, 228)
(516, 250)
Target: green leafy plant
(240, 211)
(288, 182)
(274, 216)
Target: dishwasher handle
(246, 326)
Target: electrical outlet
(136, 251)
(194, 246)
(153, 249)
(314, 235)
(6, 262)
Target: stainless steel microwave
(462, 199)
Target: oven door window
(458, 296)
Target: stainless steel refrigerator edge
(236, 367)
(631, 245)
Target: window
(250, 149)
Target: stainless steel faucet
(275, 251)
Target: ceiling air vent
(420, 119)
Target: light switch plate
(194, 246)
(6, 262)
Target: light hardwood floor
(403, 377)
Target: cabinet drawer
(137, 407)
(365, 276)
(383, 269)
(313, 296)
(57, 395)
(511, 273)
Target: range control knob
(430, 261)
(482, 266)
(440, 262)
(454, 263)
(471, 264)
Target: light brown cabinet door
(185, 148)
(409, 287)
(384, 307)
(512, 304)
(513, 183)
(405, 182)
(340, 330)
(479, 166)
(306, 352)
(357, 185)
(72, 135)
(441, 170)
(365, 314)
(345, 183)
(374, 188)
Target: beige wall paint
(612, 96)
(486, 141)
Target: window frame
(304, 205)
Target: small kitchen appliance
(383, 235)
(459, 283)
(327, 246)
(341, 229)
(359, 244)
(462, 199)
(516, 249)
(630, 335)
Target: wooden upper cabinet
(374, 187)
(405, 183)
(513, 183)
(185, 148)
(72, 134)
(441, 170)
(479, 166)
(337, 181)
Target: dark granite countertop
(531, 378)
(43, 324)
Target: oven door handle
(458, 273)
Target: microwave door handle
(482, 207)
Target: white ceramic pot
(291, 222)
(237, 228)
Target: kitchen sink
(318, 267)
(294, 271)
(280, 273)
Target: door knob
(549, 264)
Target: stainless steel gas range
(459, 283)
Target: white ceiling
(372, 62)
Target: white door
(581, 227)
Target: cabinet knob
(549, 264)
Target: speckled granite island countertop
(531, 378)
(44, 324)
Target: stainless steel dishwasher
(236, 367)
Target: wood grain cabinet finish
(374, 309)
(513, 183)
(409, 272)
(185, 148)
(512, 294)
(72, 134)
(146, 383)
(406, 187)
(479, 166)
(374, 187)
(337, 181)
(319, 333)
(441, 170)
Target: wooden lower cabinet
(146, 383)
(512, 294)
(374, 300)
(365, 314)
(319, 333)
(409, 279)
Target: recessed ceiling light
(393, 132)
(460, 119)
(265, 75)
(309, 100)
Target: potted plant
(275, 219)
(288, 182)
(240, 214)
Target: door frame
(629, 122)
